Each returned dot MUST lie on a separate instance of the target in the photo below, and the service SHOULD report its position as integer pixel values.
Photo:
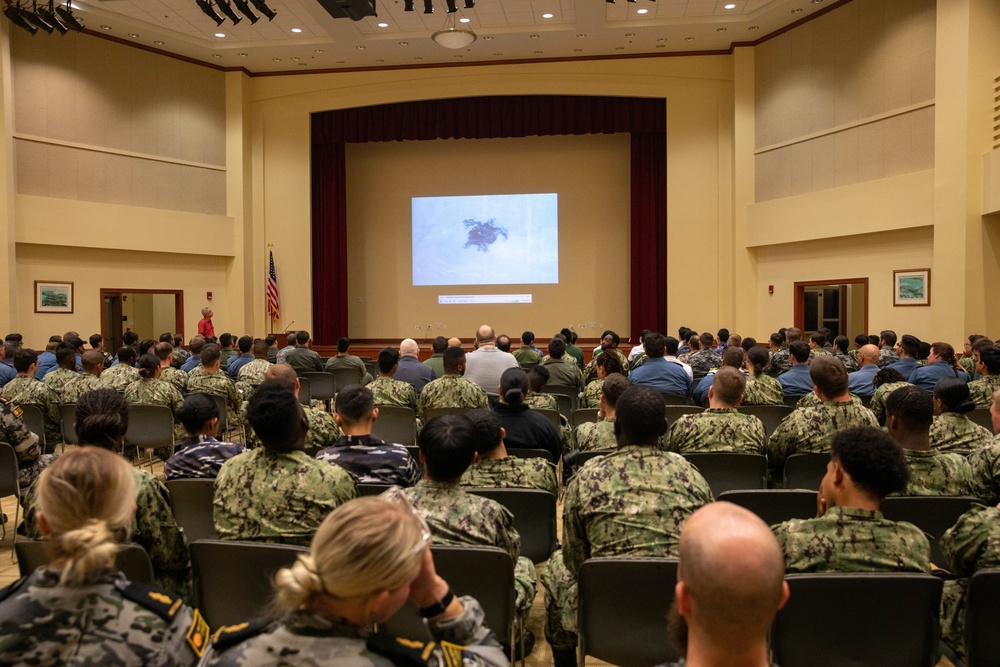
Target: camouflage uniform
(157, 392)
(592, 436)
(849, 539)
(459, 518)
(119, 377)
(953, 432)
(968, 364)
(218, 384)
(512, 472)
(311, 638)
(812, 429)
(323, 431)
(200, 457)
(180, 355)
(451, 391)
(373, 461)
(811, 400)
(982, 390)
(631, 502)
(972, 544)
(264, 496)
(176, 377)
(29, 391)
(717, 430)
(592, 394)
(763, 390)
(387, 391)
(106, 620)
(30, 460)
(58, 379)
(779, 363)
(935, 473)
(877, 405)
(84, 383)
(702, 361)
(849, 362)
(541, 401)
(590, 372)
(985, 464)
(255, 372)
(887, 356)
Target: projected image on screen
(486, 240)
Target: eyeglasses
(397, 496)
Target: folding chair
(531, 454)
(792, 401)
(372, 489)
(191, 503)
(862, 620)
(396, 424)
(774, 505)
(674, 399)
(132, 560)
(729, 471)
(552, 415)
(672, 412)
(322, 387)
(573, 393)
(343, 377)
(982, 617)
(67, 424)
(982, 417)
(623, 605)
(805, 471)
(485, 573)
(931, 514)
(584, 415)
(771, 415)
(305, 391)
(232, 580)
(33, 418)
(149, 427)
(10, 486)
(534, 513)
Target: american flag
(272, 290)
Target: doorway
(839, 305)
(148, 313)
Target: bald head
(730, 581)
(454, 342)
(485, 335)
(282, 373)
(868, 355)
(409, 348)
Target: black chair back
(931, 514)
(729, 471)
(534, 513)
(774, 505)
(132, 560)
(191, 503)
(805, 471)
(982, 618)
(770, 415)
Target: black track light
(469, 4)
(407, 5)
(210, 12)
(13, 13)
(428, 6)
(227, 9)
(452, 6)
(264, 9)
(246, 11)
(32, 16)
(66, 14)
(48, 13)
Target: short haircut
(723, 335)
(15, 337)
(557, 347)
(244, 344)
(126, 355)
(196, 411)
(166, 337)
(387, 358)
(527, 338)
(861, 339)
(92, 359)
(706, 339)
(655, 345)
(613, 387)
(873, 460)
(728, 385)
(66, 356)
(694, 342)
(777, 339)
(748, 343)
(733, 356)
(343, 343)
(210, 354)
(539, 375)
(829, 375)
(818, 338)
(10, 348)
(302, 337)
(162, 350)
(841, 343)
(874, 339)
(452, 358)
(910, 345)
(96, 340)
(887, 375)
(793, 334)
(355, 403)
(205, 310)
(130, 338)
(439, 344)
(197, 344)
(981, 343)
(911, 404)
(514, 386)
(283, 375)
(670, 345)
(146, 345)
(226, 339)
(488, 435)
(889, 336)
(290, 338)
(799, 350)
(639, 416)
(448, 444)
(990, 357)
(276, 417)
(260, 348)
(270, 339)
(954, 395)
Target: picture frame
(53, 296)
(911, 287)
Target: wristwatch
(438, 607)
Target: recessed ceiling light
(464, 20)
(546, 16)
(133, 35)
(630, 34)
(533, 36)
(216, 55)
(277, 60)
(641, 11)
(220, 34)
(797, 10)
(159, 42)
(404, 43)
(753, 27)
(689, 39)
(318, 51)
(577, 50)
(242, 55)
(383, 25)
(488, 38)
(296, 58)
(660, 40)
(581, 35)
(619, 48)
(296, 29)
(730, 6)
(720, 29)
(360, 47)
(105, 27)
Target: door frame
(799, 297)
(178, 304)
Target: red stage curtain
(486, 118)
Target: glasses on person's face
(397, 496)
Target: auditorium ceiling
(303, 37)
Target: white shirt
(687, 368)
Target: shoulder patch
(197, 635)
(230, 635)
(163, 604)
(402, 652)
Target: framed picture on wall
(911, 287)
(53, 297)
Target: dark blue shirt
(412, 371)
(905, 366)
(860, 381)
(192, 363)
(46, 362)
(7, 372)
(201, 457)
(666, 377)
(236, 363)
(796, 380)
(927, 376)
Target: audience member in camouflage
(255, 372)
(987, 364)
(705, 359)
(761, 389)
(494, 469)
(598, 435)
(591, 393)
(811, 400)
(323, 430)
(200, 455)
(151, 390)
(972, 544)
(720, 428)
(850, 534)
(887, 348)
(61, 378)
(850, 363)
(609, 342)
(216, 383)
(26, 390)
(30, 460)
(954, 432)
(448, 446)
(631, 502)
(277, 492)
(452, 390)
(886, 381)
(121, 376)
(388, 391)
(536, 399)
(779, 363)
(93, 366)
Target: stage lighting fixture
(469, 4)
(452, 7)
(246, 11)
(13, 13)
(210, 12)
(66, 14)
(407, 5)
(32, 16)
(227, 9)
(48, 13)
(264, 9)
(428, 6)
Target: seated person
(30, 460)
(367, 560)
(666, 377)
(452, 390)
(93, 366)
(796, 381)
(985, 462)
(79, 609)
(122, 374)
(525, 428)
(323, 430)
(24, 389)
(988, 367)
(940, 364)
(447, 449)
(343, 359)
(761, 388)
(538, 377)
(606, 365)
(65, 371)
(359, 452)
(199, 455)
(909, 413)
(733, 357)
(151, 390)
(388, 391)
(253, 373)
(212, 380)
(860, 382)
(601, 434)
(494, 469)
(277, 492)
(849, 533)
(721, 427)
(952, 430)
(886, 381)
